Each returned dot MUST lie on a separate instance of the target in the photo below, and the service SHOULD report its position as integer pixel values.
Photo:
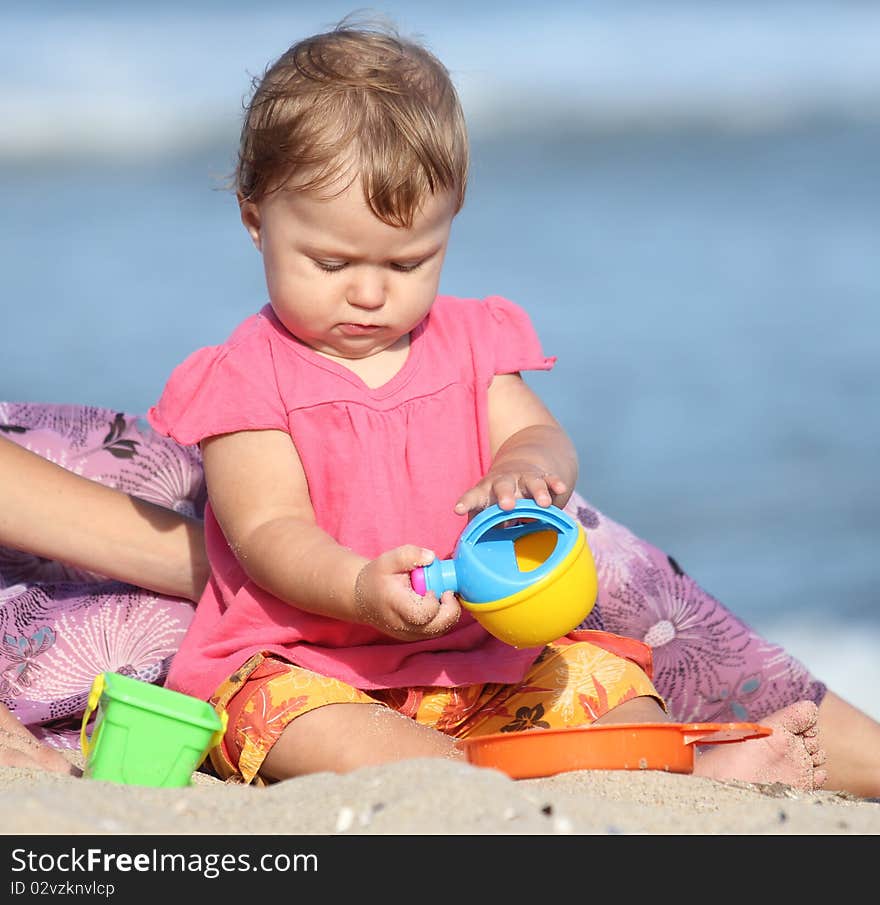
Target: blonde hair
(362, 101)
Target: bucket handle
(217, 737)
(91, 705)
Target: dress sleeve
(514, 343)
(220, 390)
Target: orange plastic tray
(615, 746)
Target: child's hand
(386, 600)
(506, 487)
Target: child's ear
(250, 217)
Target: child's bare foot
(791, 754)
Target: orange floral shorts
(572, 683)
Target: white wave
(155, 78)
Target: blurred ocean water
(684, 196)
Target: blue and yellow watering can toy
(527, 574)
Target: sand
(431, 797)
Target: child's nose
(367, 290)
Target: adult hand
(18, 748)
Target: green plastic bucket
(146, 735)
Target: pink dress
(384, 467)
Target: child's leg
(642, 709)
(285, 721)
(343, 737)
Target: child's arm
(532, 454)
(57, 514)
(259, 494)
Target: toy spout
(438, 576)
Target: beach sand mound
(431, 797)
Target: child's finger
(401, 561)
(555, 483)
(538, 489)
(448, 613)
(408, 557)
(477, 498)
(505, 490)
(420, 611)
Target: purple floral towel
(61, 626)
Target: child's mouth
(359, 329)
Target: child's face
(341, 280)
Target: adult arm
(57, 514)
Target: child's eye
(407, 268)
(330, 266)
